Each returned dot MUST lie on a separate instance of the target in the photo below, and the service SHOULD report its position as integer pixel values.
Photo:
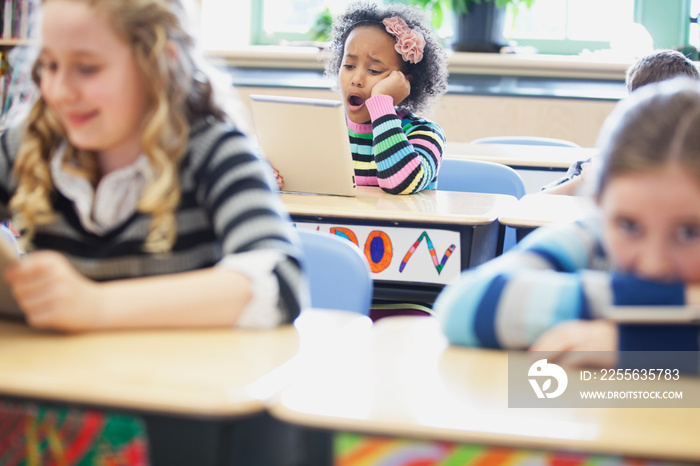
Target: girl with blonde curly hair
(141, 202)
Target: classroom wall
(467, 117)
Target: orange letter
(345, 233)
(378, 250)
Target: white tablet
(307, 141)
(654, 314)
(8, 254)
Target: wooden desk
(194, 383)
(408, 240)
(537, 165)
(520, 156)
(534, 210)
(401, 379)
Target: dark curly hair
(429, 76)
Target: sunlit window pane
(585, 21)
(694, 27)
(296, 16)
(285, 16)
(546, 19)
(571, 19)
(225, 24)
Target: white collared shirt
(115, 199)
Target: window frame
(661, 19)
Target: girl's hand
(692, 293)
(396, 85)
(53, 294)
(578, 343)
(280, 180)
(586, 172)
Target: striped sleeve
(555, 274)
(9, 145)
(407, 153)
(245, 212)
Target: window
(555, 26)
(551, 26)
(225, 25)
(285, 20)
(570, 20)
(695, 27)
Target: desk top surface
(401, 378)
(211, 373)
(520, 155)
(535, 210)
(372, 203)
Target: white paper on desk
(402, 254)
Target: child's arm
(511, 301)
(407, 157)
(580, 343)
(567, 188)
(54, 295)
(228, 187)
(576, 175)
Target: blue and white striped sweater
(556, 273)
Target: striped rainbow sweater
(398, 151)
(557, 273)
(227, 206)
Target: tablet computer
(654, 314)
(8, 305)
(307, 141)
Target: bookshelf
(15, 30)
(13, 87)
(9, 43)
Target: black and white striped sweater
(226, 207)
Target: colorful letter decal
(346, 233)
(378, 244)
(378, 250)
(433, 254)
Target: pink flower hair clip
(409, 42)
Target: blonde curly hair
(178, 91)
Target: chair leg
(501, 239)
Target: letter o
(378, 250)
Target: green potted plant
(478, 23)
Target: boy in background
(657, 66)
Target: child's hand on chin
(578, 343)
(395, 85)
(278, 177)
(53, 294)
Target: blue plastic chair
(482, 177)
(525, 140)
(338, 273)
(7, 236)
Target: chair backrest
(482, 177)
(479, 177)
(525, 140)
(338, 273)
